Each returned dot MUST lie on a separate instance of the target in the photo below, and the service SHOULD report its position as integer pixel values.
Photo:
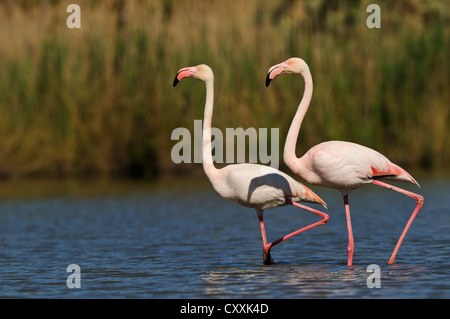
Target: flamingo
(251, 185)
(339, 165)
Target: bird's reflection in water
(304, 280)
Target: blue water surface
(182, 241)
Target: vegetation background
(98, 101)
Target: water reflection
(316, 281)
(281, 280)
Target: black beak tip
(268, 79)
(175, 81)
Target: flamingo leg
(267, 259)
(266, 255)
(419, 204)
(351, 243)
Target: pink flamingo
(340, 165)
(251, 185)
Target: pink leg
(351, 243)
(266, 255)
(419, 204)
(267, 259)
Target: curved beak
(275, 71)
(183, 73)
(268, 79)
(175, 81)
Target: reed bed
(98, 101)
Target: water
(182, 241)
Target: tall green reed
(99, 101)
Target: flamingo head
(290, 66)
(200, 72)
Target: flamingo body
(346, 166)
(261, 187)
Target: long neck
(208, 165)
(291, 140)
